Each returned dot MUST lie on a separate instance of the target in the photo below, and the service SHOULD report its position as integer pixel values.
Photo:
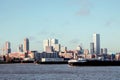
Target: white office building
(45, 43)
(51, 43)
(96, 40)
(57, 47)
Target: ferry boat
(93, 62)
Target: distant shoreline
(61, 62)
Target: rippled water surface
(57, 72)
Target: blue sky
(71, 21)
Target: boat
(27, 60)
(93, 62)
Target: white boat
(79, 60)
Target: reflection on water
(57, 72)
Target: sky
(72, 22)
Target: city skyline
(51, 45)
(72, 22)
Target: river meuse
(57, 72)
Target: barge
(93, 63)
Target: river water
(57, 72)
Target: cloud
(108, 23)
(66, 23)
(85, 8)
(112, 22)
(83, 12)
(85, 3)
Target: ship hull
(95, 63)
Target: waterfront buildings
(51, 44)
(66, 54)
(49, 49)
(63, 48)
(96, 40)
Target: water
(57, 72)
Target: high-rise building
(79, 48)
(51, 43)
(54, 44)
(91, 48)
(63, 48)
(49, 49)
(101, 51)
(8, 47)
(26, 45)
(86, 51)
(96, 40)
(45, 43)
(20, 48)
(57, 47)
(105, 51)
